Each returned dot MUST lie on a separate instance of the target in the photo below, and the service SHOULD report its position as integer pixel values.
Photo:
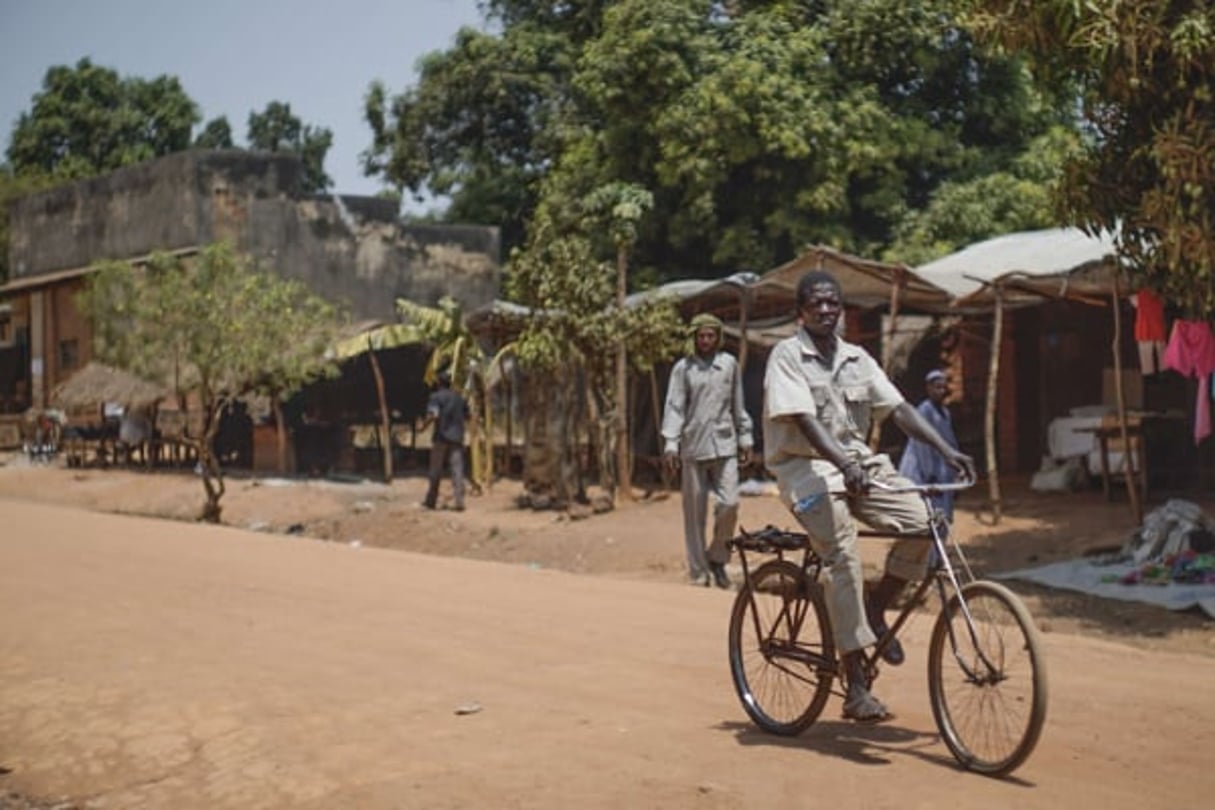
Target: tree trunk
(551, 446)
(656, 405)
(623, 478)
(280, 432)
(600, 422)
(212, 474)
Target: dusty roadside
(640, 540)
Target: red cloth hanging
(1149, 316)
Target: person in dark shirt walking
(447, 411)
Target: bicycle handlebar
(925, 489)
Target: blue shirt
(922, 463)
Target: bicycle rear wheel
(989, 699)
(782, 656)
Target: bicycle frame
(941, 570)
(773, 540)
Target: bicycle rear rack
(769, 540)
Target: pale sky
(235, 56)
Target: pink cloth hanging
(1191, 351)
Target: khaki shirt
(704, 416)
(845, 398)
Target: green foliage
(476, 127)
(1146, 71)
(617, 209)
(215, 324)
(276, 129)
(443, 327)
(87, 119)
(216, 134)
(758, 127)
(960, 213)
(575, 318)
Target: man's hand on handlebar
(856, 478)
(964, 465)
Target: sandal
(866, 709)
(893, 653)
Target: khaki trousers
(831, 524)
(718, 476)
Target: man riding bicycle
(821, 394)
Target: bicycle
(986, 671)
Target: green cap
(702, 320)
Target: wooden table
(1134, 459)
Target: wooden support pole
(744, 306)
(1129, 458)
(385, 424)
(989, 422)
(896, 295)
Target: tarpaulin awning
(866, 284)
(1057, 262)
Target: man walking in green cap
(706, 430)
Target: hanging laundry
(1149, 316)
(1149, 330)
(1191, 351)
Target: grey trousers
(831, 524)
(718, 476)
(452, 454)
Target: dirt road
(154, 664)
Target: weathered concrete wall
(163, 204)
(369, 263)
(351, 250)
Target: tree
(87, 119)
(1146, 72)
(959, 213)
(476, 128)
(621, 206)
(216, 134)
(758, 127)
(276, 129)
(216, 325)
(574, 325)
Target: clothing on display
(1191, 351)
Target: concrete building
(350, 250)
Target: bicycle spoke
(776, 654)
(988, 686)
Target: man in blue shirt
(921, 462)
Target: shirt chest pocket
(860, 408)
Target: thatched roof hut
(97, 384)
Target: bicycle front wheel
(782, 656)
(988, 690)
